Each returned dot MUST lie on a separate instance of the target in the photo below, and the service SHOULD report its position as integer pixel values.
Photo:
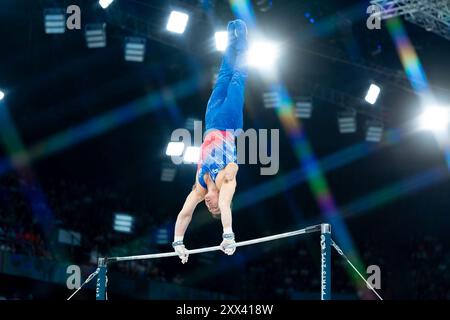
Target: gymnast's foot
(237, 35)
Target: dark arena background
(92, 91)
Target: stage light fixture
(374, 131)
(123, 222)
(95, 34)
(221, 38)
(168, 174)
(303, 108)
(347, 121)
(177, 22)
(105, 3)
(192, 155)
(271, 99)
(373, 93)
(55, 21)
(135, 49)
(175, 149)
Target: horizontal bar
(306, 230)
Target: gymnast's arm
(184, 217)
(227, 185)
(227, 189)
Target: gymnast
(215, 181)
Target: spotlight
(263, 55)
(2, 95)
(95, 34)
(436, 119)
(105, 3)
(271, 99)
(177, 22)
(221, 40)
(123, 222)
(347, 121)
(135, 49)
(303, 108)
(374, 131)
(175, 149)
(373, 93)
(55, 21)
(192, 155)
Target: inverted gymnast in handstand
(217, 168)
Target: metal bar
(310, 229)
(325, 270)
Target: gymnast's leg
(225, 72)
(232, 106)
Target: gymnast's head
(212, 202)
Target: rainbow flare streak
(282, 183)
(243, 9)
(447, 155)
(392, 192)
(412, 65)
(396, 190)
(95, 126)
(316, 179)
(408, 56)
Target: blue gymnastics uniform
(224, 112)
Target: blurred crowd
(279, 274)
(19, 233)
(428, 274)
